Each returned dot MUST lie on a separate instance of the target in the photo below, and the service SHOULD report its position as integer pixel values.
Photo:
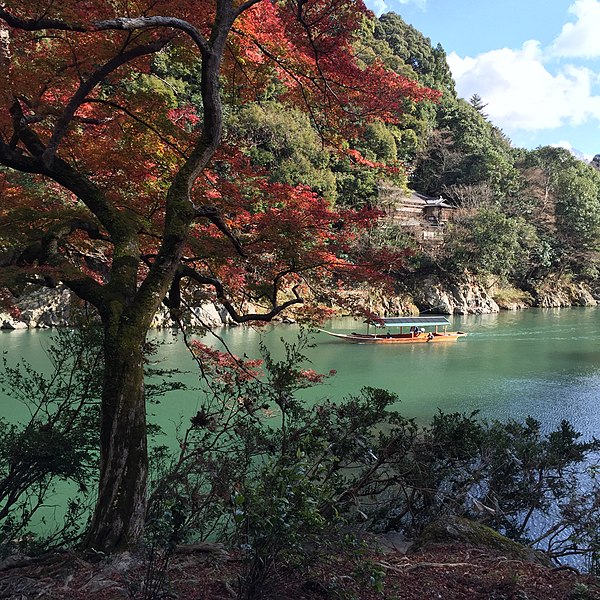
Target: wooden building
(425, 215)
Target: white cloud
(378, 6)
(563, 144)
(521, 93)
(381, 6)
(574, 151)
(580, 39)
(418, 3)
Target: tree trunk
(118, 521)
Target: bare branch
(214, 216)
(217, 285)
(244, 7)
(38, 24)
(119, 24)
(22, 132)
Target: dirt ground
(450, 572)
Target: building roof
(411, 321)
(422, 201)
(439, 202)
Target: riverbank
(42, 308)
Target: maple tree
(128, 194)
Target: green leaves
(490, 242)
(59, 441)
(578, 206)
(282, 140)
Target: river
(543, 363)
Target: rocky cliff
(42, 307)
(52, 307)
(38, 308)
(455, 297)
(556, 292)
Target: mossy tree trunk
(119, 516)
(127, 306)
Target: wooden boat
(413, 330)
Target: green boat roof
(431, 320)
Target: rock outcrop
(205, 315)
(462, 298)
(43, 307)
(39, 308)
(51, 307)
(555, 293)
(430, 295)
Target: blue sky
(536, 63)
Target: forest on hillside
(523, 216)
(524, 220)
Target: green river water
(543, 363)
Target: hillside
(527, 219)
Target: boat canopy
(431, 320)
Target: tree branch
(119, 24)
(216, 284)
(214, 216)
(120, 228)
(38, 24)
(137, 119)
(22, 131)
(244, 7)
(131, 24)
(87, 86)
(45, 252)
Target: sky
(535, 63)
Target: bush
(57, 443)
(282, 481)
(507, 296)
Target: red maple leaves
(132, 128)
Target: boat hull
(399, 338)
